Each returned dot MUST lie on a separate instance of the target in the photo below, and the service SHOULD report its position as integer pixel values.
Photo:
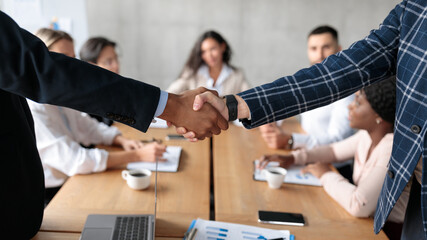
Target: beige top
(230, 81)
(360, 199)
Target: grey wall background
(268, 37)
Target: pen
(152, 140)
(191, 234)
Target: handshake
(200, 113)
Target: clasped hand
(208, 119)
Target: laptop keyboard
(132, 228)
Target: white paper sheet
(172, 156)
(210, 230)
(292, 176)
(160, 123)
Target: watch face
(290, 142)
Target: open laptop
(115, 227)
(118, 227)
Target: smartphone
(283, 218)
(175, 137)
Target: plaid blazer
(398, 46)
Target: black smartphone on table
(283, 218)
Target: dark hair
(382, 98)
(325, 29)
(195, 59)
(91, 49)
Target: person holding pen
(61, 131)
(373, 112)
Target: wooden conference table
(184, 195)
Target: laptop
(118, 227)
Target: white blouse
(59, 132)
(224, 74)
(325, 125)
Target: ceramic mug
(137, 178)
(274, 176)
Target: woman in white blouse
(209, 66)
(373, 112)
(61, 131)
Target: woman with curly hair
(373, 112)
(209, 66)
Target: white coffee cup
(274, 176)
(137, 178)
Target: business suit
(28, 70)
(397, 47)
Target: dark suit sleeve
(28, 69)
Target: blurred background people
(209, 66)
(373, 112)
(60, 132)
(323, 125)
(101, 52)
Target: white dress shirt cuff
(162, 103)
(303, 141)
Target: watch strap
(231, 103)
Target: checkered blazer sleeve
(366, 61)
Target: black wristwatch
(231, 102)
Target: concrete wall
(268, 37)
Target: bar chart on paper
(213, 230)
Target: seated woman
(60, 131)
(101, 52)
(209, 66)
(373, 112)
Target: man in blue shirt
(398, 47)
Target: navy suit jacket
(398, 48)
(29, 70)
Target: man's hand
(217, 102)
(274, 136)
(214, 100)
(203, 123)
